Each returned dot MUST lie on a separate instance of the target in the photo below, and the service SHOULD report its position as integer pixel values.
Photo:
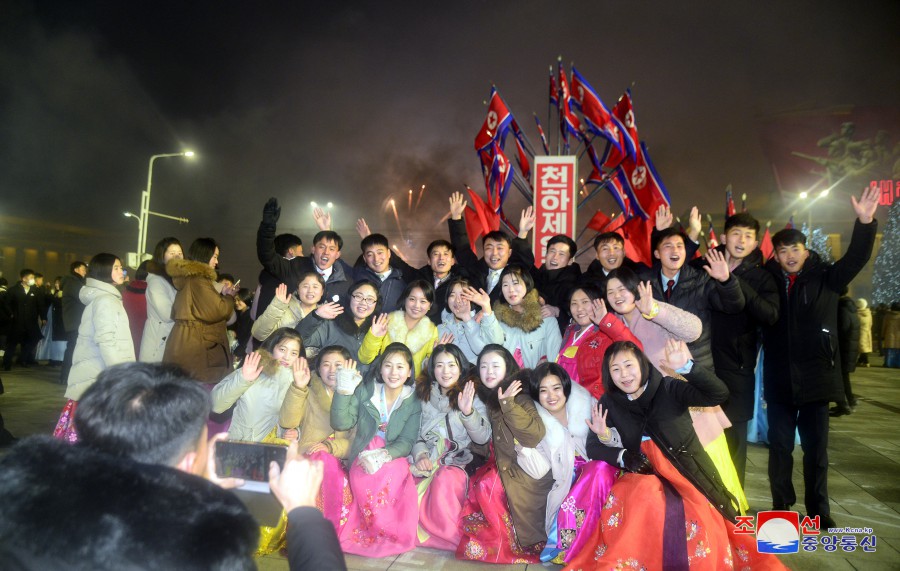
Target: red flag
(496, 124)
(765, 245)
(729, 203)
(623, 117)
(541, 132)
(712, 243)
(554, 91)
(479, 218)
(522, 154)
(636, 232)
(648, 188)
(596, 115)
(568, 121)
(599, 221)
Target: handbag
(531, 461)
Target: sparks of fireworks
(396, 217)
(419, 200)
(410, 200)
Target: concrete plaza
(864, 455)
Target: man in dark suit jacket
(24, 305)
(499, 249)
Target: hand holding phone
(297, 483)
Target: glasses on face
(359, 298)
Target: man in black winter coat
(499, 249)
(610, 248)
(735, 336)
(324, 260)
(72, 310)
(698, 291)
(802, 361)
(24, 303)
(556, 277)
(848, 341)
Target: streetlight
(145, 203)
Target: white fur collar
(414, 338)
(578, 408)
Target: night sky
(355, 102)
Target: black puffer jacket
(661, 412)
(554, 287)
(69, 507)
(848, 333)
(698, 293)
(735, 336)
(802, 360)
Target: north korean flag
(623, 118)
(569, 122)
(596, 116)
(496, 124)
(649, 191)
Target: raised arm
(521, 416)
(861, 242)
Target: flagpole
(550, 111)
(600, 186)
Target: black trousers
(27, 339)
(736, 436)
(71, 338)
(849, 399)
(812, 422)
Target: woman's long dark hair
(374, 372)
(426, 378)
(280, 335)
(512, 368)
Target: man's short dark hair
(223, 276)
(438, 244)
(742, 220)
(26, 272)
(788, 237)
(329, 236)
(284, 242)
(149, 412)
(496, 236)
(608, 237)
(373, 240)
(662, 235)
(563, 239)
(75, 265)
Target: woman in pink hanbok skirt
(383, 408)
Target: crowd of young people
(502, 411)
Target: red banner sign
(555, 200)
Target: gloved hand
(271, 212)
(635, 461)
(372, 460)
(347, 381)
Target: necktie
(493, 276)
(791, 279)
(669, 285)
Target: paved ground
(864, 453)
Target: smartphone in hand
(248, 461)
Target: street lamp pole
(145, 201)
